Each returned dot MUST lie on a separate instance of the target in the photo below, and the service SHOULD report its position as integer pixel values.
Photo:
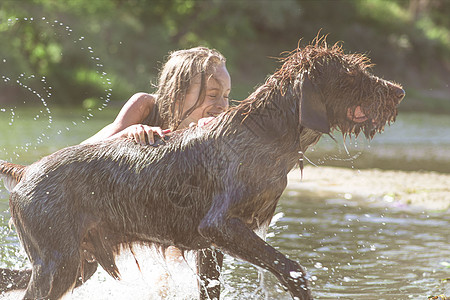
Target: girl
(193, 87)
(193, 84)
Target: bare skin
(218, 88)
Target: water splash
(346, 151)
(38, 91)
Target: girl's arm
(128, 121)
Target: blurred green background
(84, 48)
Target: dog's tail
(11, 174)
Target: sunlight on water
(156, 279)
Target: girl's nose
(222, 104)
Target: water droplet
(295, 275)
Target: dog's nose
(400, 94)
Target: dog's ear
(312, 111)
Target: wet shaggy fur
(206, 188)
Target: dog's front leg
(233, 237)
(209, 265)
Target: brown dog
(205, 188)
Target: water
(416, 141)
(362, 252)
(37, 93)
(21, 140)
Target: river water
(352, 249)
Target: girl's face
(218, 86)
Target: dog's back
(118, 185)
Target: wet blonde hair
(177, 76)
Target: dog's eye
(351, 72)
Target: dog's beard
(374, 123)
(369, 128)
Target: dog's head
(338, 91)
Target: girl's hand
(142, 133)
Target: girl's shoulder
(143, 103)
(137, 108)
(142, 97)
(148, 108)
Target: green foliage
(127, 41)
(388, 14)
